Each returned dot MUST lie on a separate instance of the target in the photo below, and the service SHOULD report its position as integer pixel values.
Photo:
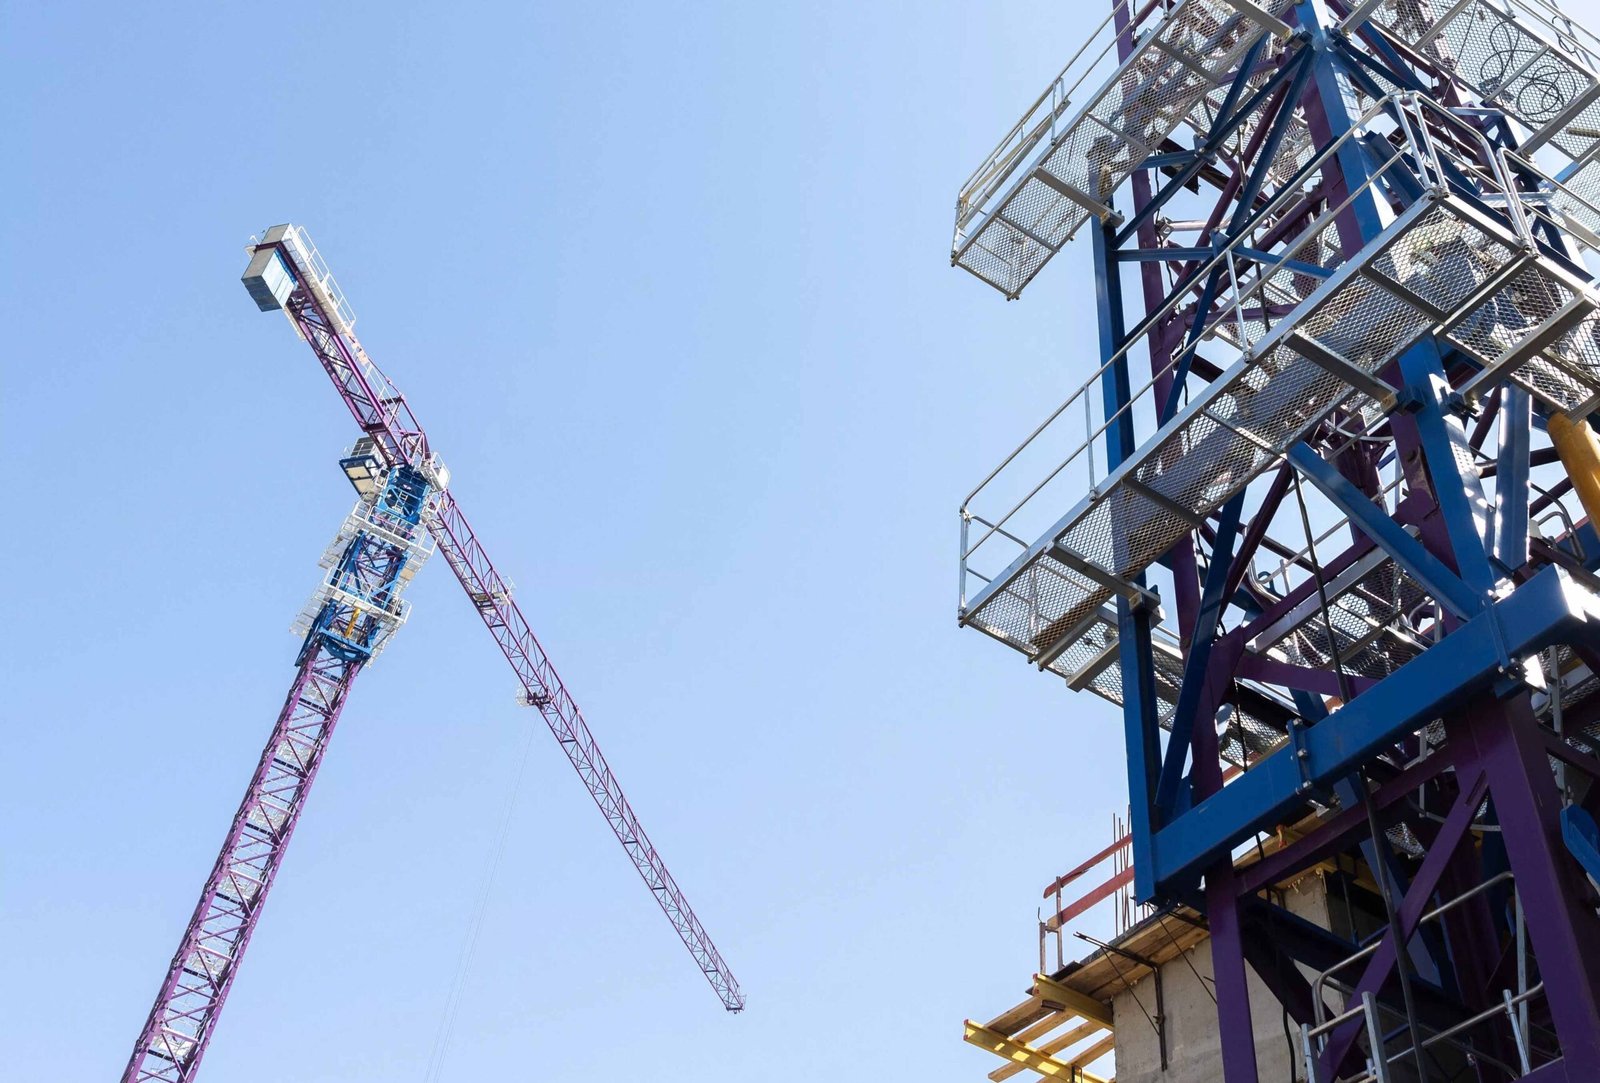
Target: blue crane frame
(1500, 593)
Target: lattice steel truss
(1337, 537)
(353, 612)
(397, 440)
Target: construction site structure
(1321, 523)
(403, 513)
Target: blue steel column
(1511, 480)
(1456, 488)
(1139, 705)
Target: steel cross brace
(1456, 488)
(1397, 71)
(1212, 603)
(1245, 198)
(1549, 608)
(1410, 910)
(1334, 835)
(1406, 551)
(1230, 119)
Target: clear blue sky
(668, 284)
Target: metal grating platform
(1048, 176)
(1524, 57)
(1442, 265)
(1089, 662)
(1575, 196)
(1376, 621)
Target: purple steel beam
(1469, 940)
(1335, 835)
(1236, 1035)
(1556, 1072)
(1503, 739)
(1260, 667)
(180, 1024)
(1408, 913)
(1257, 530)
(383, 414)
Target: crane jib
(322, 317)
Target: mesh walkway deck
(1442, 266)
(1047, 177)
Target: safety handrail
(1028, 131)
(1431, 915)
(1415, 118)
(1378, 1062)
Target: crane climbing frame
(1334, 544)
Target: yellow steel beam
(1027, 1056)
(1064, 998)
(1579, 449)
(1050, 1048)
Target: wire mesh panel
(1375, 621)
(1439, 259)
(1529, 60)
(1538, 328)
(1050, 176)
(1577, 200)
(1090, 662)
(1037, 603)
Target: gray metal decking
(1006, 230)
(1511, 54)
(1442, 265)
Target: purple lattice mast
(352, 614)
(175, 1036)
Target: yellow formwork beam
(1064, 998)
(1020, 1053)
(1051, 1022)
(1050, 1048)
(1095, 1051)
(1579, 449)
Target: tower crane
(404, 512)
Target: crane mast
(347, 622)
(1321, 521)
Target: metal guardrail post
(1518, 1030)
(1380, 1062)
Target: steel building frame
(1395, 262)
